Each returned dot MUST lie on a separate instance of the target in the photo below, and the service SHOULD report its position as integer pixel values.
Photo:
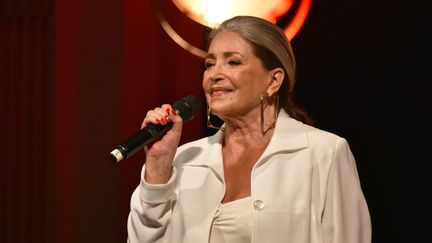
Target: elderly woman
(265, 176)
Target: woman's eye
(208, 65)
(234, 62)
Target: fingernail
(158, 121)
(167, 119)
(174, 112)
(168, 110)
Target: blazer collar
(289, 135)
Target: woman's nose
(216, 78)
(215, 74)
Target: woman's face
(234, 77)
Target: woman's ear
(277, 77)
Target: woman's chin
(219, 109)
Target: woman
(266, 176)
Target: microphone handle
(145, 136)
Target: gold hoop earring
(263, 97)
(209, 124)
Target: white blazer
(304, 188)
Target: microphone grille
(188, 107)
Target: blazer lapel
(289, 136)
(207, 153)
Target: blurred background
(78, 76)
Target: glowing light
(213, 12)
(298, 20)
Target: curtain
(77, 78)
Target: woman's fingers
(162, 116)
(159, 115)
(173, 117)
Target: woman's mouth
(219, 91)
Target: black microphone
(187, 108)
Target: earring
(263, 97)
(209, 124)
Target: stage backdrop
(77, 79)
(78, 76)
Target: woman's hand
(160, 154)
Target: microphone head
(188, 107)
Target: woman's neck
(247, 130)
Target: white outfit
(304, 189)
(233, 222)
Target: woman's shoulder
(323, 141)
(319, 133)
(321, 138)
(292, 127)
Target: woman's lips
(219, 91)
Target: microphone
(187, 107)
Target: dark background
(77, 77)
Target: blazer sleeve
(151, 210)
(346, 216)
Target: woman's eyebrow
(231, 53)
(225, 54)
(210, 56)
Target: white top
(233, 222)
